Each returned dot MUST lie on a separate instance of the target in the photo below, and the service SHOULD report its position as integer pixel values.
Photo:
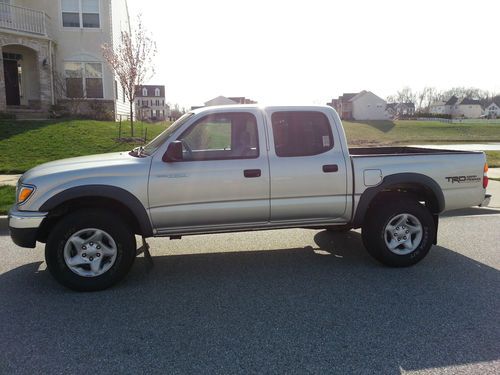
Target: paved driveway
(288, 301)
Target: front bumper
(23, 226)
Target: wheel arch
(422, 187)
(99, 196)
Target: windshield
(158, 141)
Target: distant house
(343, 105)
(364, 105)
(400, 109)
(492, 110)
(456, 107)
(222, 100)
(150, 103)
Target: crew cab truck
(239, 168)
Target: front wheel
(398, 231)
(90, 250)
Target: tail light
(485, 176)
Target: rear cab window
(301, 133)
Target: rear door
(308, 169)
(223, 179)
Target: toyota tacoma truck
(239, 168)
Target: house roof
(358, 95)
(495, 102)
(220, 100)
(151, 90)
(452, 101)
(469, 101)
(362, 93)
(348, 96)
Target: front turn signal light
(24, 193)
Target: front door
(11, 82)
(223, 179)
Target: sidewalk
(9, 179)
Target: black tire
(374, 232)
(66, 227)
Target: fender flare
(117, 194)
(394, 180)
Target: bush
(431, 115)
(7, 116)
(99, 111)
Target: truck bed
(401, 150)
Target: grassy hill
(25, 144)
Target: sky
(310, 51)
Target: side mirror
(173, 153)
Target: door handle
(250, 173)
(329, 168)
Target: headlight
(24, 192)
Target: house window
(80, 13)
(157, 102)
(157, 92)
(144, 92)
(83, 80)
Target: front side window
(222, 136)
(83, 80)
(80, 13)
(301, 133)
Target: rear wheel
(398, 231)
(90, 250)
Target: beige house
(51, 53)
(364, 105)
(456, 108)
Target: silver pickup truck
(239, 168)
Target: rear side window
(301, 133)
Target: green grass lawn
(25, 144)
(493, 158)
(7, 198)
(418, 132)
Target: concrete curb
(4, 223)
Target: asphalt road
(288, 301)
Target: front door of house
(11, 82)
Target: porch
(26, 55)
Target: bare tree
(426, 97)
(132, 61)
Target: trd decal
(463, 179)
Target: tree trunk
(131, 118)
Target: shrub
(7, 116)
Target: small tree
(132, 61)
